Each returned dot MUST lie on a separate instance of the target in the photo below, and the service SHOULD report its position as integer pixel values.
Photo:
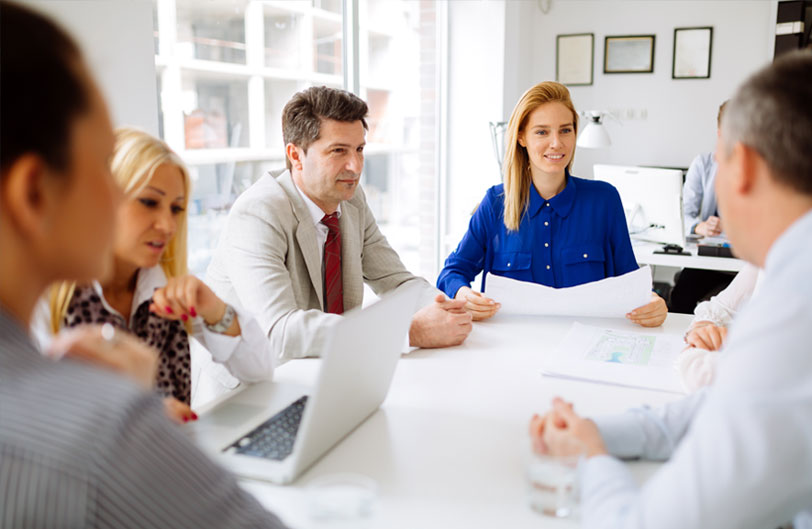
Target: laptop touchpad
(232, 414)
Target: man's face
(331, 168)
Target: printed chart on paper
(625, 357)
(621, 348)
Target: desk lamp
(594, 135)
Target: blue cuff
(452, 286)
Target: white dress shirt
(739, 451)
(321, 229)
(248, 357)
(698, 193)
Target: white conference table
(449, 445)
(644, 253)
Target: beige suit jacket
(268, 261)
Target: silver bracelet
(225, 322)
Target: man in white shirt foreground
(740, 451)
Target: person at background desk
(80, 445)
(739, 451)
(297, 248)
(150, 291)
(701, 217)
(544, 225)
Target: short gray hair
(772, 114)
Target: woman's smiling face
(549, 137)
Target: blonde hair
(517, 163)
(136, 157)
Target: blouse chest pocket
(583, 263)
(511, 261)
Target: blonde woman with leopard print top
(149, 291)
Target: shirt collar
(315, 211)
(146, 282)
(561, 203)
(786, 246)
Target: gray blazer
(268, 261)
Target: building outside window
(226, 68)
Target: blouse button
(508, 265)
(546, 223)
(585, 256)
(548, 267)
(546, 245)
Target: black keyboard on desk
(274, 438)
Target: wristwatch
(225, 322)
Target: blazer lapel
(351, 249)
(305, 235)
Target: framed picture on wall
(692, 53)
(628, 54)
(574, 59)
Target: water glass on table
(552, 484)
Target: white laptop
(255, 439)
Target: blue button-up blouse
(577, 236)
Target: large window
(227, 67)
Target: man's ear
(295, 155)
(26, 196)
(749, 162)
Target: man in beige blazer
(279, 244)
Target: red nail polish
(193, 312)
(194, 416)
(169, 309)
(185, 419)
(184, 317)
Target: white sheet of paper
(612, 297)
(636, 359)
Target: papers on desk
(612, 297)
(622, 358)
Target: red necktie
(333, 290)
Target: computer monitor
(652, 200)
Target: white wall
(680, 117)
(116, 38)
(476, 42)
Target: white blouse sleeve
(247, 356)
(722, 308)
(41, 324)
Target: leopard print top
(167, 336)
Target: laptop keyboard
(274, 438)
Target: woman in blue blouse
(543, 224)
